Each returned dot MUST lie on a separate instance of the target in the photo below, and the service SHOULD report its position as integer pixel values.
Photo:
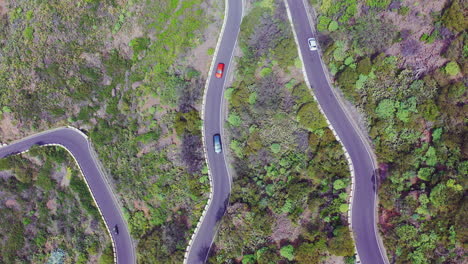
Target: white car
(312, 43)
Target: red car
(219, 70)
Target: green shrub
(403, 11)
(333, 26)
(107, 256)
(347, 80)
(237, 148)
(452, 68)
(265, 71)
(253, 98)
(344, 208)
(28, 33)
(349, 60)
(323, 23)
(287, 252)
(43, 179)
(339, 184)
(210, 51)
(275, 148)
(386, 109)
(341, 244)
(339, 54)
(234, 120)
(425, 173)
(248, 259)
(456, 90)
(285, 51)
(310, 118)
(382, 4)
(361, 81)
(189, 122)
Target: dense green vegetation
(118, 71)
(416, 118)
(289, 197)
(42, 196)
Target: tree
(347, 80)
(310, 117)
(310, 253)
(364, 66)
(453, 17)
(386, 109)
(452, 68)
(248, 259)
(439, 196)
(341, 244)
(287, 252)
(333, 26)
(275, 148)
(339, 184)
(234, 119)
(323, 23)
(372, 34)
(406, 233)
(425, 173)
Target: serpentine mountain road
(213, 118)
(77, 143)
(363, 202)
(363, 209)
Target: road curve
(78, 145)
(363, 201)
(212, 124)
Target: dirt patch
(122, 38)
(8, 128)
(3, 8)
(385, 219)
(284, 229)
(5, 175)
(140, 205)
(12, 204)
(334, 260)
(63, 176)
(52, 205)
(170, 139)
(417, 54)
(92, 59)
(199, 57)
(149, 102)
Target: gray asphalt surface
(78, 145)
(212, 125)
(364, 195)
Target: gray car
(217, 143)
(312, 43)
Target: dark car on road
(116, 230)
(217, 143)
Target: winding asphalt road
(213, 118)
(77, 143)
(363, 212)
(363, 203)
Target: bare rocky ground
(423, 57)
